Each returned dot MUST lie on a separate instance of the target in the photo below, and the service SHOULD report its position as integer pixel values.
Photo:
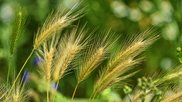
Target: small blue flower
(36, 60)
(55, 87)
(25, 76)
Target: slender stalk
(47, 95)
(130, 98)
(57, 85)
(48, 86)
(3, 95)
(9, 68)
(75, 90)
(92, 96)
(19, 73)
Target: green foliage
(127, 89)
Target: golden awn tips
(122, 61)
(55, 23)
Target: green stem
(92, 96)
(19, 73)
(9, 68)
(129, 96)
(74, 91)
(48, 86)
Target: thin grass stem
(19, 73)
(9, 67)
(48, 86)
(130, 98)
(92, 96)
(76, 87)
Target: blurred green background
(125, 17)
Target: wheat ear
(173, 75)
(89, 65)
(94, 56)
(56, 22)
(48, 66)
(53, 23)
(134, 48)
(173, 98)
(108, 79)
(69, 47)
(47, 55)
(122, 61)
(16, 95)
(177, 73)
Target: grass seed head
(122, 61)
(55, 22)
(69, 47)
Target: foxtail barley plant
(120, 63)
(62, 49)
(59, 20)
(174, 98)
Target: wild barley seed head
(139, 44)
(174, 74)
(69, 47)
(95, 54)
(16, 95)
(173, 98)
(65, 59)
(122, 61)
(47, 53)
(48, 64)
(55, 23)
(91, 63)
(108, 78)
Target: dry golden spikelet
(3, 91)
(174, 74)
(135, 47)
(16, 95)
(173, 98)
(47, 55)
(139, 44)
(166, 78)
(90, 63)
(109, 78)
(69, 47)
(95, 54)
(122, 61)
(56, 22)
